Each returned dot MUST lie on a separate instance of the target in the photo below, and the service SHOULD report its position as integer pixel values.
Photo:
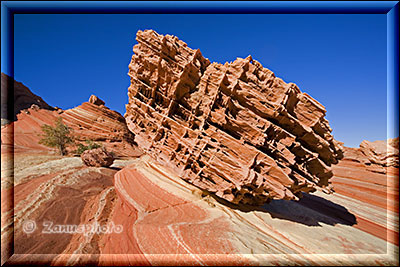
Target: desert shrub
(90, 145)
(58, 136)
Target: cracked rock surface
(232, 129)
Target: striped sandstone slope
(91, 120)
(55, 189)
(168, 221)
(165, 216)
(235, 129)
(369, 175)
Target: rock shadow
(117, 168)
(310, 210)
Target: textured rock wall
(233, 129)
(383, 152)
(376, 156)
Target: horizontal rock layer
(235, 129)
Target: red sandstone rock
(95, 100)
(375, 156)
(23, 97)
(369, 174)
(88, 121)
(98, 157)
(169, 222)
(235, 129)
(384, 153)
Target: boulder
(95, 100)
(98, 157)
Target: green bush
(58, 136)
(90, 145)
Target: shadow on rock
(310, 210)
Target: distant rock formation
(376, 156)
(88, 121)
(370, 174)
(23, 98)
(382, 152)
(233, 129)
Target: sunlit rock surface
(382, 152)
(232, 129)
(98, 157)
(89, 121)
(167, 221)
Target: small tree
(58, 136)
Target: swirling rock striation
(90, 120)
(232, 129)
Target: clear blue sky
(340, 60)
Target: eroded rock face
(98, 157)
(382, 152)
(235, 129)
(375, 156)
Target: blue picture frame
(390, 8)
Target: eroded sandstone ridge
(233, 129)
(375, 156)
(89, 121)
(382, 152)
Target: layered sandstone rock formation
(23, 98)
(382, 152)
(235, 129)
(375, 156)
(92, 121)
(369, 174)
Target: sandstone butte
(232, 129)
(91, 120)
